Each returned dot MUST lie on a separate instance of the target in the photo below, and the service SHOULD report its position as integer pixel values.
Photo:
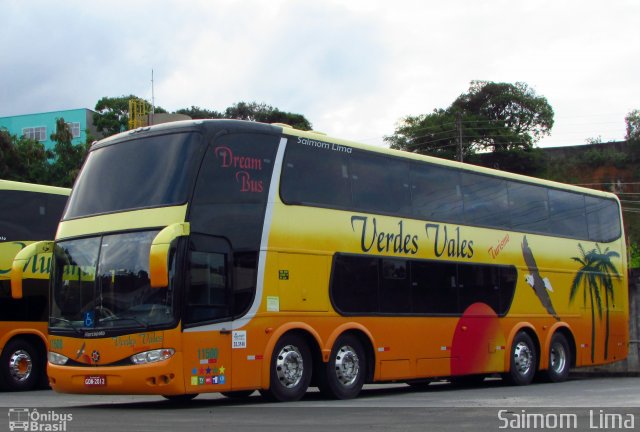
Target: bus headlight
(57, 359)
(152, 356)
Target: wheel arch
(530, 330)
(364, 336)
(310, 336)
(37, 338)
(39, 344)
(563, 329)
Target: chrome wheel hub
(289, 366)
(557, 358)
(522, 357)
(347, 365)
(20, 365)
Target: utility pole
(459, 137)
(153, 102)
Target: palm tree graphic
(595, 276)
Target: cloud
(353, 68)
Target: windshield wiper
(66, 321)
(124, 318)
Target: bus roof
(279, 128)
(32, 187)
(448, 163)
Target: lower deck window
(390, 286)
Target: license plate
(95, 381)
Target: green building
(40, 126)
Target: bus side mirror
(159, 253)
(20, 262)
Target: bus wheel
(180, 398)
(20, 365)
(344, 374)
(290, 370)
(559, 358)
(523, 362)
(237, 394)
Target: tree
(112, 114)
(23, 159)
(252, 111)
(199, 113)
(633, 126)
(261, 112)
(68, 157)
(490, 116)
(8, 156)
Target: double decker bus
(228, 256)
(28, 213)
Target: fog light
(57, 359)
(153, 356)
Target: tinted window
(313, 176)
(32, 307)
(207, 295)
(395, 289)
(603, 218)
(208, 285)
(232, 189)
(380, 184)
(434, 287)
(435, 193)
(355, 284)
(365, 285)
(529, 207)
(29, 215)
(567, 214)
(148, 172)
(485, 200)
(477, 283)
(229, 202)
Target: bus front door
(207, 317)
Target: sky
(353, 68)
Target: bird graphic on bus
(540, 285)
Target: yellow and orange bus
(228, 256)
(28, 213)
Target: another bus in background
(28, 213)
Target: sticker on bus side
(239, 339)
(273, 304)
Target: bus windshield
(148, 172)
(102, 283)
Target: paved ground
(581, 403)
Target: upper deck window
(148, 172)
(322, 174)
(29, 215)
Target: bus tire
(523, 360)
(344, 373)
(237, 394)
(559, 359)
(290, 370)
(21, 365)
